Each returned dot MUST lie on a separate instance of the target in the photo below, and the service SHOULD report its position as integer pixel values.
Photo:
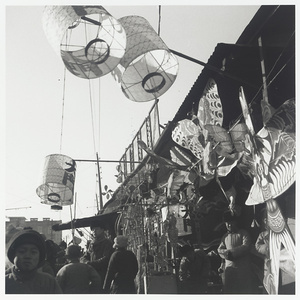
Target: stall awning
(108, 219)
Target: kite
(273, 156)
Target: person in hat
(26, 251)
(99, 250)
(194, 270)
(235, 250)
(122, 269)
(76, 277)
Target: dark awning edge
(109, 219)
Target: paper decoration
(57, 184)
(280, 149)
(89, 40)
(227, 142)
(179, 212)
(186, 134)
(148, 68)
(278, 153)
(210, 109)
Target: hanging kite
(89, 40)
(227, 143)
(57, 185)
(204, 136)
(273, 157)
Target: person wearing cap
(26, 251)
(235, 249)
(122, 269)
(76, 277)
(193, 271)
(99, 250)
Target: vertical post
(263, 71)
(97, 203)
(267, 109)
(99, 182)
(72, 225)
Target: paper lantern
(57, 186)
(148, 68)
(89, 40)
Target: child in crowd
(26, 251)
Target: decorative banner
(148, 68)
(90, 41)
(57, 186)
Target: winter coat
(235, 250)
(121, 272)
(98, 255)
(78, 278)
(33, 282)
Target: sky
(47, 112)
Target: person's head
(63, 245)
(120, 241)
(26, 250)
(230, 221)
(97, 228)
(73, 253)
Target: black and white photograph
(149, 148)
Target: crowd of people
(38, 266)
(105, 267)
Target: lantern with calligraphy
(89, 40)
(148, 68)
(57, 186)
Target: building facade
(43, 226)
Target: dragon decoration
(267, 157)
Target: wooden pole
(99, 182)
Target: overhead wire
(159, 19)
(63, 103)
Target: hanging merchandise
(278, 152)
(179, 211)
(89, 40)
(191, 134)
(196, 135)
(148, 68)
(57, 186)
(273, 156)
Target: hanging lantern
(148, 68)
(89, 40)
(57, 185)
